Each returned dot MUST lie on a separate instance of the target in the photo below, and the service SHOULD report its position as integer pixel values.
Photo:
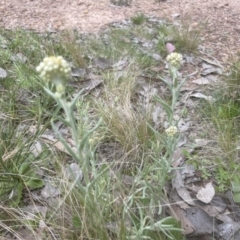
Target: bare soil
(221, 33)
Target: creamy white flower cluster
(54, 69)
(175, 59)
(171, 131)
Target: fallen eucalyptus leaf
(53, 141)
(79, 72)
(183, 126)
(206, 193)
(216, 63)
(179, 214)
(202, 96)
(201, 81)
(3, 73)
(36, 149)
(102, 63)
(216, 207)
(202, 142)
(201, 221)
(177, 158)
(175, 199)
(209, 69)
(92, 82)
(187, 171)
(228, 230)
(177, 183)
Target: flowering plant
(174, 60)
(171, 131)
(56, 70)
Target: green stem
(71, 121)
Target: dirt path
(221, 34)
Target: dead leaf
(187, 171)
(183, 126)
(216, 63)
(201, 81)
(79, 72)
(10, 155)
(177, 158)
(36, 149)
(201, 221)
(209, 69)
(50, 191)
(102, 63)
(202, 96)
(228, 231)
(213, 78)
(216, 207)
(121, 64)
(224, 217)
(56, 143)
(182, 141)
(93, 83)
(158, 115)
(206, 193)
(179, 214)
(148, 92)
(177, 183)
(202, 142)
(3, 73)
(174, 197)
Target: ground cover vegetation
(89, 139)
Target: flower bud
(171, 131)
(175, 59)
(55, 70)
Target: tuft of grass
(69, 40)
(232, 81)
(17, 164)
(121, 2)
(138, 19)
(223, 117)
(125, 124)
(184, 37)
